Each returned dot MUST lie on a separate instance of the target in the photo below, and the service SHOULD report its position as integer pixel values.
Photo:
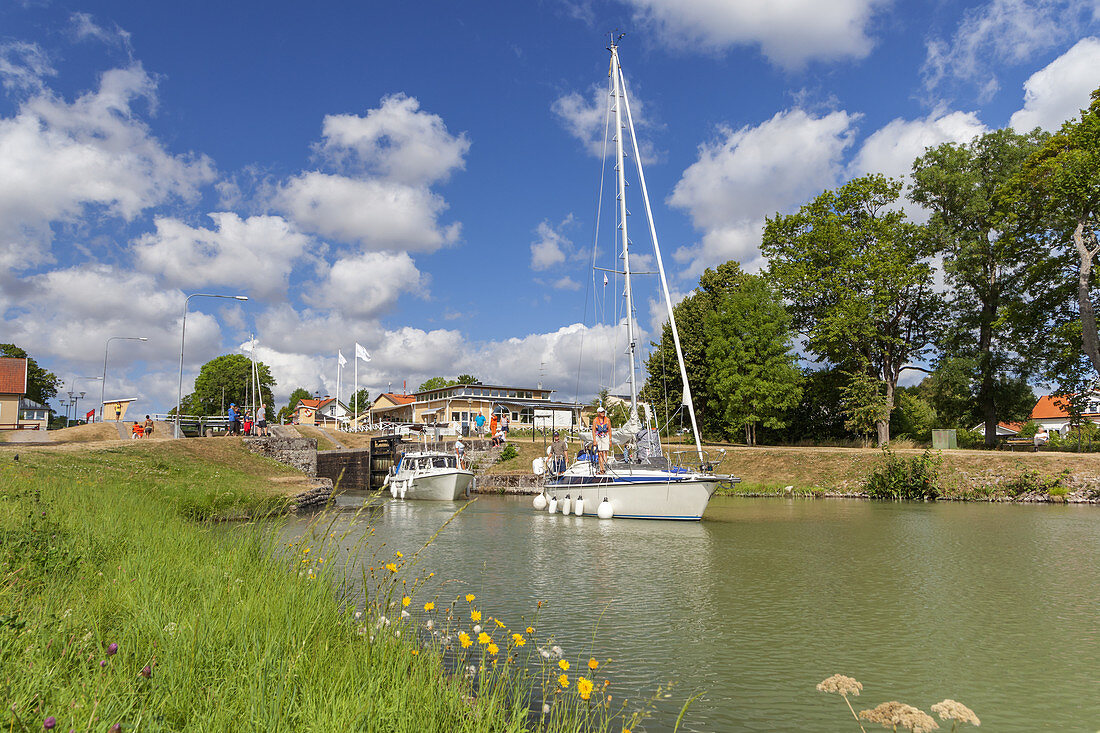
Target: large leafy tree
(301, 393)
(986, 259)
(435, 383)
(858, 282)
(42, 385)
(360, 401)
(228, 375)
(664, 389)
(1057, 193)
(752, 378)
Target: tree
(42, 385)
(466, 379)
(435, 383)
(225, 380)
(819, 415)
(986, 257)
(752, 376)
(857, 280)
(663, 388)
(287, 412)
(360, 401)
(618, 412)
(914, 415)
(1057, 192)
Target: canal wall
(349, 469)
(507, 483)
(316, 496)
(299, 453)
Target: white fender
(540, 502)
(552, 507)
(565, 505)
(605, 511)
(578, 507)
(538, 466)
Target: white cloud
(750, 173)
(566, 283)
(998, 33)
(84, 27)
(396, 141)
(367, 284)
(24, 66)
(59, 158)
(789, 33)
(891, 149)
(586, 119)
(1061, 89)
(378, 214)
(253, 254)
(551, 248)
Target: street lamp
(183, 338)
(103, 384)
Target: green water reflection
(992, 605)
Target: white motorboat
(639, 481)
(429, 475)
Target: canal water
(997, 606)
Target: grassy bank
(118, 607)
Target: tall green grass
(222, 627)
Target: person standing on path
(261, 419)
(480, 422)
(601, 436)
(118, 412)
(505, 423)
(148, 427)
(234, 419)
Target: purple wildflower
(146, 671)
(49, 723)
(112, 648)
(102, 663)
(116, 728)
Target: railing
(20, 426)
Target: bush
(970, 438)
(905, 479)
(1030, 482)
(509, 452)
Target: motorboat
(429, 475)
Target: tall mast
(619, 95)
(660, 263)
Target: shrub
(970, 438)
(509, 452)
(905, 479)
(1033, 482)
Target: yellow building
(13, 385)
(461, 404)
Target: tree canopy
(857, 280)
(225, 380)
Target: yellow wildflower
(398, 555)
(415, 652)
(483, 638)
(470, 597)
(391, 567)
(429, 606)
(306, 551)
(499, 623)
(592, 663)
(584, 687)
(518, 639)
(406, 601)
(564, 665)
(493, 649)
(431, 575)
(475, 615)
(464, 639)
(530, 629)
(563, 681)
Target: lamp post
(103, 384)
(183, 338)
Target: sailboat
(640, 481)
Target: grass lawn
(118, 607)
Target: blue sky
(422, 177)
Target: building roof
(25, 404)
(13, 376)
(1048, 407)
(479, 385)
(397, 399)
(314, 404)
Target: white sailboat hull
(638, 494)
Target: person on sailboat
(601, 436)
(559, 451)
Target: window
(511, 393)
(455, 418)
(515, 416)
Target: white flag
(361, 353)
(605, 279)
(341, 359)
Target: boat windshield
(444, 461)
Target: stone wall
(315, 497)
(348, 469)
(299, 453)
(507, 483)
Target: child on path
(137, 431)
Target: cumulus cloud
(747, 174)
(84, 27)
(566, 283)
(891, 149)
(789, 33)
(59, 158)
(254, 254)
(551, 248)
(367, 284)
(378, 214)
(998, 33)
(585, 117)
(397, 141)
(1061, 89)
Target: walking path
(331, 437)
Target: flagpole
(356, 392)
(337, 388)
